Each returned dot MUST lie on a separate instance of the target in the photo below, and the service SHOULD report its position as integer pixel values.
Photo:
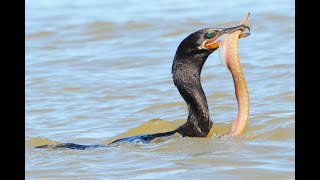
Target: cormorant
(189, 59)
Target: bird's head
(195, 48)
(204, 41)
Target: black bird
(189, 59)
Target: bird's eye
(208, 34)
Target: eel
(229, 56)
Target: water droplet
(184, 80)
(138, 141)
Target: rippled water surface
(97, 69)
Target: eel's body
(229, 56)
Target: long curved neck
(186, 76)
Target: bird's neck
(187, 80)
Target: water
(97, 69)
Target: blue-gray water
(95, 69)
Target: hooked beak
(213, 43)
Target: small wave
(163, 105)
(38, 141)
(41, 34)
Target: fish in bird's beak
(213, 44)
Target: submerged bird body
(189, 59)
